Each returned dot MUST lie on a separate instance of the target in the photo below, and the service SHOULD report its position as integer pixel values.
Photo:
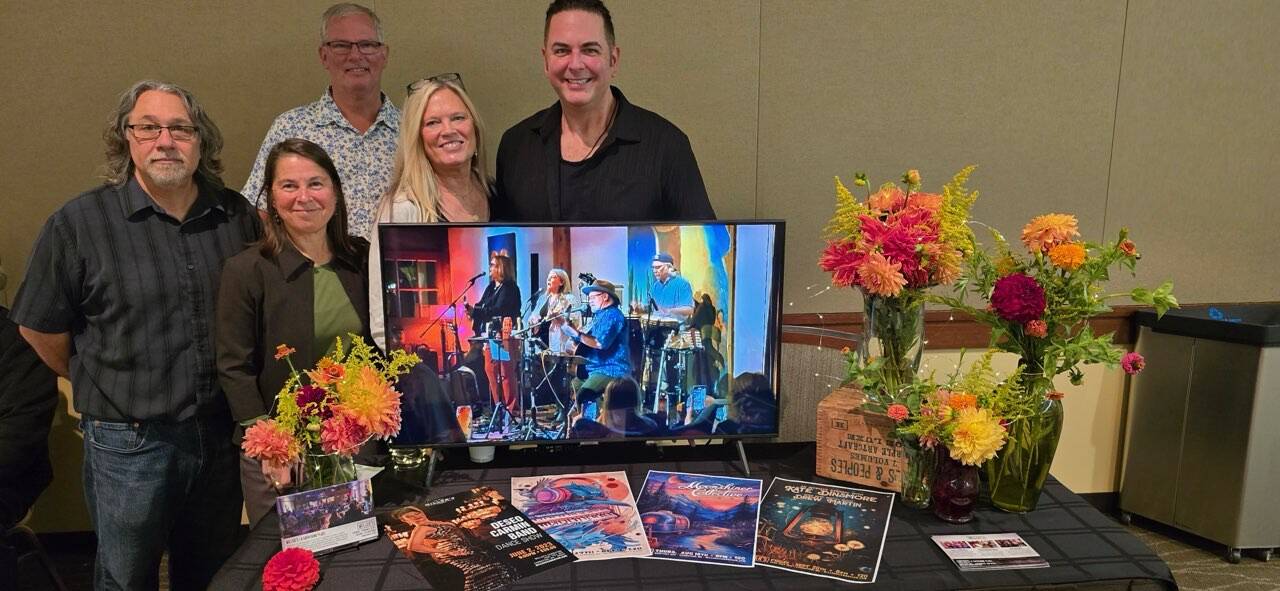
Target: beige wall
(1152, 113)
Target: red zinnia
(291, 569)
(1018, 298)
(898, 412)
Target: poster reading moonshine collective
(700, 518)
(473, 541)
(593, 515)
(823, 530)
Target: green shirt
(334, 314)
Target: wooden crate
(855, 445)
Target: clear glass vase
(893, 336)
(1017, 474)
(917, 481)
(319, 470)
(955, 489)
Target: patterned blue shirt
(676, 292)
(612, 359)
(365, 161)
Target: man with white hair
(355, 123)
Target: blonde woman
(440, 174)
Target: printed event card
(823, 530)
(699, 518)
(325, 519)
(593, 515)
(973, 552)
(472, 541)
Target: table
(1085, 549)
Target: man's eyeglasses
(344, 47)
(453, 77)
(145, 132)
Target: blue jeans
(154, 485)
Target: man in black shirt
(118, 297)
(593, 156)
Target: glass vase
(917, 481)
(1016, 475)
(955, 489)
(893, 335)
(321, 469)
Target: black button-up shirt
(135, 288)
(644, 170)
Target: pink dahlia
(341, 434)
(1133, 363)
(842, 258)
(1018, 298)
(269, 442)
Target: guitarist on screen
(604, 344)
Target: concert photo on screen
(565, 332)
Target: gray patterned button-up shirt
(364, 161)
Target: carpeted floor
(1200, 565)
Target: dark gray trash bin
(1203, 450)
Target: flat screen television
(569, 332)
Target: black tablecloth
(1085, 549)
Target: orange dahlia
(1067, 256)
(370, 401)
(881, 277)
(1046, 231)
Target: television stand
(431, 468)
(742, 455)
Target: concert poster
(472, 541)
(700, 518)
(823, 530)
(594, 515)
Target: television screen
(575, 332)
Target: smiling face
(303, 195)
(577, 58)
(448, 131)
(162, 162)
(355, 71)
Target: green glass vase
(1016, 475)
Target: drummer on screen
(604, 344)
(670, 295)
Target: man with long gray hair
(353, 121)
(118, 298)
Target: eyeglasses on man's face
(146, 132)
(452, 77)
(344, 47)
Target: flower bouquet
(1038, 307)
(321, 417)
(959, 425)
(893, 246)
